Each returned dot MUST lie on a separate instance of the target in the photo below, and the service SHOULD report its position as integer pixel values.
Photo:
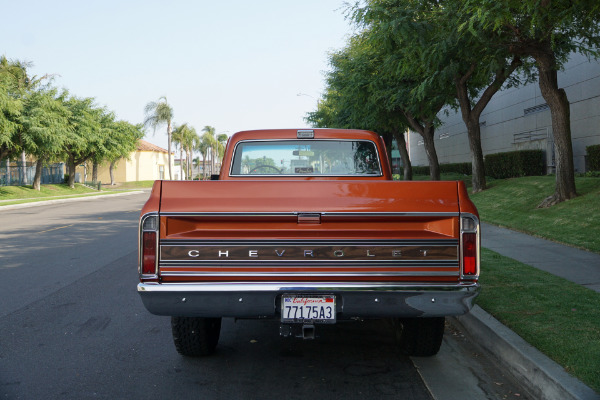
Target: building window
(161, 172)
(536, 109)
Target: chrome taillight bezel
(469, 224)
(149, 222)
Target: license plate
(308, 309)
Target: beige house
(149, 162)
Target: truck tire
(195, 337)
(420, 337)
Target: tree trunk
(428, 141)
(72, 166)
(388, 139)
(427, 132)
(212, 161)
(477, 164)
(169, 149)
(111, 171)
(23, 169)
(403, 154)
(181, 162)
(558, 103)
(7, 171)
(95, 172)
(37, 180)
(471, 115)
(188, 157)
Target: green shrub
(460, 168)
(420, 170)
(593, 157)
(514, 164)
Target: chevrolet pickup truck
(308, 227)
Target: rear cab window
(318, 157)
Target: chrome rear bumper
(262, 300)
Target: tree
(430, 42)
(20, 85)
(196, 161)
(45, 121)
(102, 153)
(122, 141)
(405, 86)
(547, 31)
(221, 142)
(86, 136)
(187, 138)
(209, 143)
(11, 106)
(177, 137)
(191, 142)
(353, 97)
(159, 113)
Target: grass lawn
(513, 203)
(129, 185)
(26, 192)
(559, 318)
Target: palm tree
(187, 138)
(159, 113)
(191, 140)
(202, 147)
(196, 161)
(178, 139)
(210, 144)
(221, 141)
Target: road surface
(72, 326)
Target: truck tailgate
(309, 231)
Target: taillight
(469, 254)
(148, 246)
(469, 228)
(149, 253)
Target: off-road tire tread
(194, 336)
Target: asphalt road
(73, 327)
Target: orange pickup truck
(308, 227)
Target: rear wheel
(420, 337)
(195, 337)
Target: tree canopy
(160, 113)
(416, 58)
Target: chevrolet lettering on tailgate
(307, 227)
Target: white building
(519, 118)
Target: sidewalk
(544, 378)
(64, 199)
(579, 266)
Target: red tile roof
(147, 146)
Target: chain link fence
(15, 174)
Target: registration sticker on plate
(308, 308)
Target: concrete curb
(542, 377)
(58, 201)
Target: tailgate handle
(306, 218)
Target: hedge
(461, 168)
(513, 164)
(593, 157)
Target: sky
(234, 65)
